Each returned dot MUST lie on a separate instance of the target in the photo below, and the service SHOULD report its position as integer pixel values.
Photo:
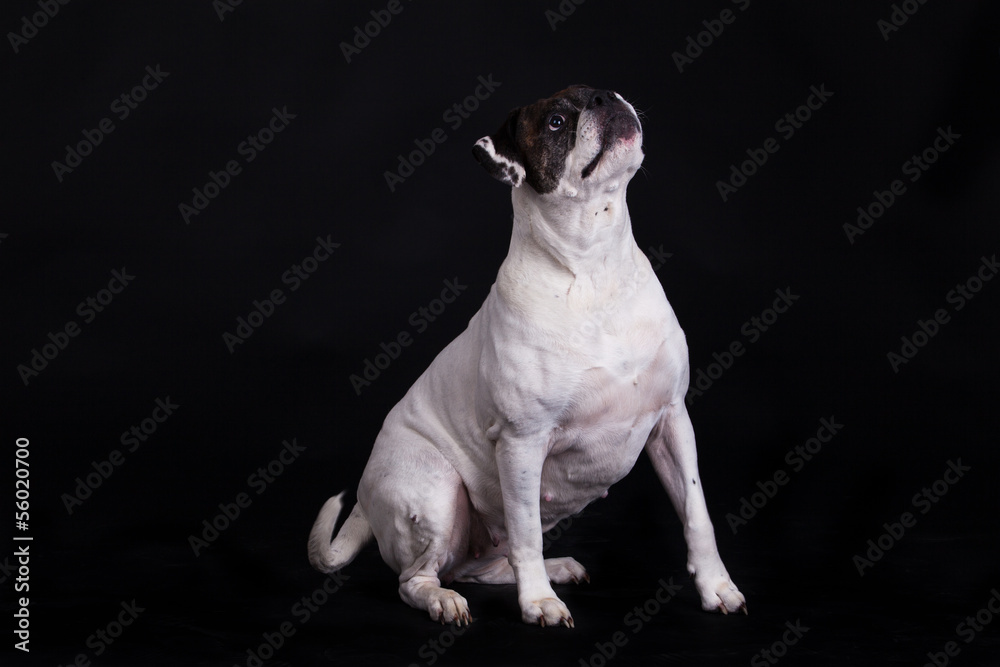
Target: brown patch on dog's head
(532, 144)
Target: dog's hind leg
(441, 536)
(420, 516)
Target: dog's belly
(588, 462)
(599, 441)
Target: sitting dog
(572, 366)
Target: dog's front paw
(447, 606)
(719, 593)
(547, 612)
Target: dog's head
(578, 139)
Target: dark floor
(251, 595)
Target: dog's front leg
(675, 459)
(519, 464)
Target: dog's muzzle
(617, 122)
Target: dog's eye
(556, 121)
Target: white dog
(572, 366)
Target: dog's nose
(600, 98)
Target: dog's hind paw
(565, 570)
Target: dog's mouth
(620, 127)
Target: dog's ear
(499, 155)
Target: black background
(323, 176)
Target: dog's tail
(327, 556)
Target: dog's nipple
(605, 494)
(548, 497)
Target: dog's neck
(579, 248)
